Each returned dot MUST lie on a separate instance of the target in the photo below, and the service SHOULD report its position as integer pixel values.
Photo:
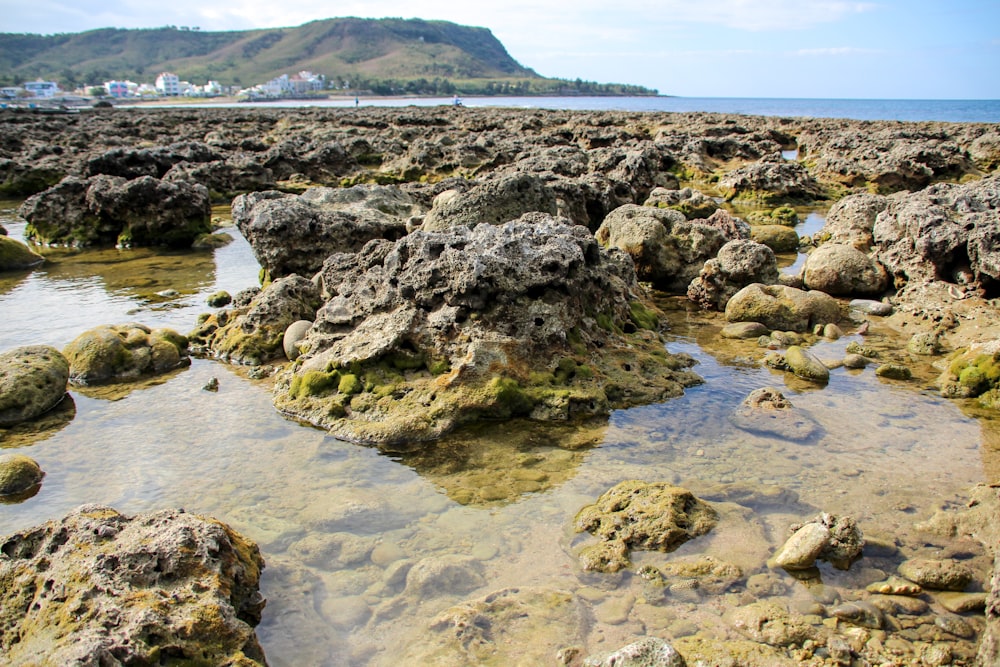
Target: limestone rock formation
(771, 180)
(529, 318)
(107, 210)
(32, 382)
(295, 233)
(125, 352)
(693, 204)
(496, 201)
(640, 515)
(99, 587)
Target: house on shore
(168, 85)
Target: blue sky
(919, 49)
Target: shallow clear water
(336, 521)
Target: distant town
(167, 85)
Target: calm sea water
(957, 111)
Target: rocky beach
(618, 406)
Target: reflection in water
(38, 430)
(341, 526)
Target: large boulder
(852, 219)
(123, 353)
(738, 264)
(15, 256)
(103, 210)
(771, 180)
(668, 251)
(843, 270)
(945, 232)
(253, 331)
(295, 233)
(496, 201)
(529, 318)
(99, 587)
(782, 308)
(32, 381)
(640, 515)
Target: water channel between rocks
(337, 522)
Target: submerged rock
(834, 539)
(32, 381)
(121, 353)
(99, 587)
(768, 412)
(529, 318)
(648, 652)
(640, 515)
(940, 575)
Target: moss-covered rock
(15, 256)
(782, 308)
(164, 587)
(640, 515)
(527, 319)
(32, 382)
(123, 353)
(973, 372)
(18, 474)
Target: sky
(905, 49)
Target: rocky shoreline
(425, 268)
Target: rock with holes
(495, 202)
(32, 381)
(739, 263)
(98, 587)
(530, 318)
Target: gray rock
(738, 264)
(782, 308)
(851, 220)
(843, 270)
(771, 180)
(296, 233)
(827, 537)
(941, 575)
(648, 652)
(925, 343)
(32, 381)
(96, 576)
(870, 307)
(295, 332)
(667, 250)
(802, 549)
(855, 361)
(106, 210)
(692, 203)
(494, 202)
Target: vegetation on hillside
(381, 56)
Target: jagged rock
(252, 334)
(851, 220)
(771, 180)
(738, 264)
(843, 270)
(668, 251)
(105, 210)
(529, 318)
(767, 411)
(782, 308)
(121, 353)
(494, 202)
(15, 256)
(296, 233)
(641, 515)
(32, 381)
(99, 587)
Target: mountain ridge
(383, 55)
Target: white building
(46, 89)
(168, 84)
(278, 87)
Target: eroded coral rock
(120, 353)
(32, 381)
(99, 587)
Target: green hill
(385, 56)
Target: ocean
(955, 111)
